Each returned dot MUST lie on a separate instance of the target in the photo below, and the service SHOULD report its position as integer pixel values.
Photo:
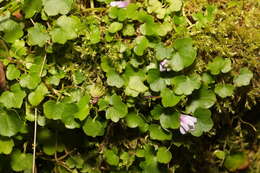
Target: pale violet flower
(187, 123)
(164, 66)
(119, 4)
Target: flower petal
(182, 130)
(185, 126)
(119, 4)
(187, 123)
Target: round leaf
(13, 98)
(12, 72)
(133, 120)
(93, 128)
(163, 155)
(204, 99)
(114, 27)
(54, 7)
(157, 133)
(113, 79)
(135, 86)
(38, 95)
(218, 65)
(224, 90)
(10, 123)
(170, 120)
(6, 145)
(204, 121)
(37, 35)
(31, 7)
(111, 157)
(185, 84)
(21, 161)
(185, 55)
(244, 77)
(169, 99)
(236, 161)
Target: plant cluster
(146, 86)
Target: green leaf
(38, 35)
(169, 99)
(154, 79)
(156, 112)
(204, 121)
(67, 28)
(245, 75)
(119, 13)
(114, 27)
(48, 140)
(93, 127)
(78, 77)
(150, 164)
(113, 79)
(54, 7)
(218, 65)
(21, 161)
(236, 161)
(150, 29)
(185, 85)
(55, 111)
(111, 157)
(129, 30)
(38, 95)
(30, 81)
(156, 7)
(163, 52)
(185, 55)
(204, 19)
(114, 114)
(18, 49)
(95, 34)
(135, 86)
(12, 72)
(170, 120)
(31, 7)
(118, 110)
(6, 145)
(12, 30)
(132, 10)
(207, 79)
(10, 123)
(103, 104)
(220, 154)
(13, 98)
(174, 5)
(68, 111)
(157, 133)
(84, 108)
(163, 29)
(75, 162)
(163, 155)
(141, 44)
(224, 90)
(133, 120)
(204, 99)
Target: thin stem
(250, 125)
(92, 4)
(43, 62)
(35, 124)
(34, 139)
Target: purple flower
(119, 4)
(187, 123)
(164, 65)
